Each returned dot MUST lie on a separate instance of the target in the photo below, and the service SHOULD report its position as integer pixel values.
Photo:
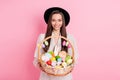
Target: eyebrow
(57, 19)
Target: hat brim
(50, 10)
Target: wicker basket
(56, 70)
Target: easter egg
(48, 55)
(46, 43)
(69, 61)
(54, 63)
(49, 62)
(64, 64)
(69, 46)
(64, 43)
(67, 57)
(58, 63)
(45, 58)
(53, 59)
(59, 59)
(52, 53)
(43, 46)
(67, 43)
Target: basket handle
(40, 45)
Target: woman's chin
(56, 29)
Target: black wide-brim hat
(50, 10)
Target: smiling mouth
(56, 26)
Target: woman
(57, 19)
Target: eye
(59, 20)
(53, 20)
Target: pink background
(94, 23)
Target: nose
(56, 22)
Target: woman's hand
(39, 64)
(36, 63)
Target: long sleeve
(35, 61)
(73, 42)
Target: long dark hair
(50, 29)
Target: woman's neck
(56, 32)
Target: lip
(56, 26)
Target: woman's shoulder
(41, 36)
(70, 36)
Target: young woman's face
(56, 21)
